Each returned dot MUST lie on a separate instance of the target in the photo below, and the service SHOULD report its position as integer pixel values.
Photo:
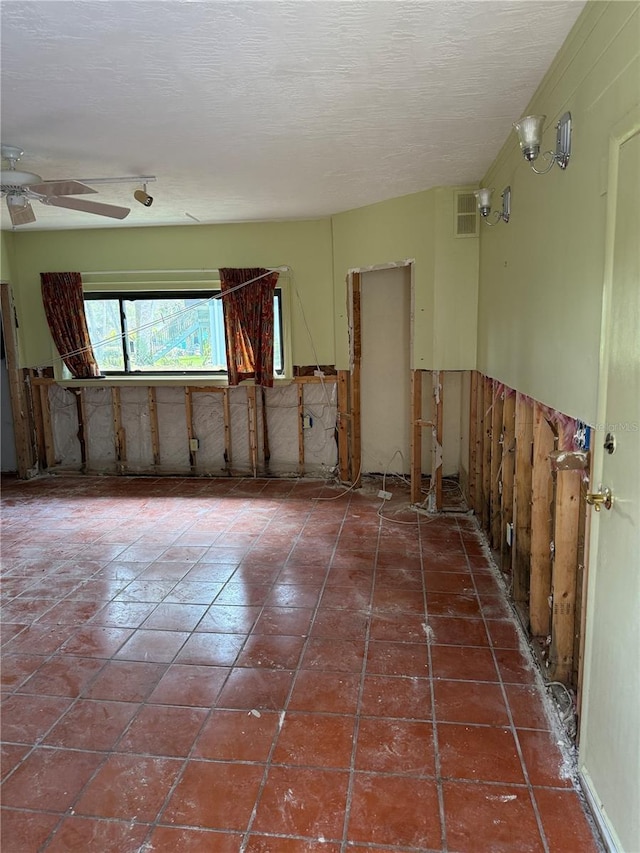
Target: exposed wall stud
(541, 524)
(356, 439)
(226, 409)
(82, 428)
(496, 465)
(118, 432)
(487, 404)
(253, 428)
(343, 424)
(521, 564)
(416, 436)
(508, 465)
(436, 476)
(153, 425)
(188, 409)
(473, 426)
(479, 440)
(300, 429)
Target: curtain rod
(283, 268)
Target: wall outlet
(384, 495)
(194, 444)
(509, 533)
(307, 422)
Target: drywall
(6, 255)
(541, 274)
(418, 227)
(305, 246)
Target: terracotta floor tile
(527, 708)
(214, 795)
(514, 667)
(49, 779)
(339, 624)
(456, 583)
(129, 785)
(123, 614)
(336, 655)
(243, 594)
(490, 819)
(544, 759)
(94, 725)
(328, 692)
(125, 681)
(470, 663)
(290, 621)
(153, 645)
(211, 649)
(451, 631)
(397, 659)
(186, 684)
(481, 753)
(564, 821)
(255, 689)
(395, 746)
(495, 606)
(398, 627)
(70, 613)
(229, 619)
(27, 718)
(17, 668)
(175, 617)
(301, 801)
(63, 675)
(271, 651)
(10, 756)
(275, 844)
(194, 592)
(153, 591)
(503, 634)
(314, 740)
(446, 604)
(346, 598)
(387, 600)
(165, 839)
(163, 730)
(293, 595)
(24, 836)
(107, 836)
(237, 736)
(470, 702)
(395, 810)
(400, 697)
(96, 641)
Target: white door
(610, 731)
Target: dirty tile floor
(234, 665)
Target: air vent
(466, 215)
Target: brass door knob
(600, 499)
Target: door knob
(600, 499)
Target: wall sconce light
(143, 197)
(484, 205)
(529, 131)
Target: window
(165, 332)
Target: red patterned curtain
(64, 307)
(248, 324)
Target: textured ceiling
(276, 109)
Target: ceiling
(251, 110)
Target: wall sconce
(484, 205)
(529, 131)
(143, 197)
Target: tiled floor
(218, 665)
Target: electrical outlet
(194, 444)
(384, 495)
(307, 422)
(509, 532)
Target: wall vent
(466, 214)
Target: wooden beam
(226, 410)
(487, 403)
(36, 404)
(301, 429)
(436, 478)
(266, 449)
(253, 428)
(153, 425)
(188, 410)
(343, 424)
(496, 463)
(416, 436)
(508, 468)
(118, 432)
(45, 408)
(356, 435)
(521, 552)
(82, 428)
(473, 425)
(18, 390)
(479, 440)
(541, 524)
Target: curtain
(63, 301)
(248, 324)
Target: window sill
(155, 381)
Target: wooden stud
(300, 429)
(487, 403)
(153, 425)
(253, 428)
(565, 567)
(436, 477)
(416, 436)
(496, 465)
(479, 439)
(82, 428)
(266, 450)
(473, 425)
(226, 409)
(188, 409)
(356, 435)
(36, 403)
(521, 552)
(541, 524)
(18, 390)
(118, 431)
(343, 424)
(508, 466)
(45, 407)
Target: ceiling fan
(21, 188)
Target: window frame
(200, 294)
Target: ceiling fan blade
(50, 188)
(89, 206)
(21, 214)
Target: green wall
(305, 246)
(541, 274)
(418, 227)
(6, 255)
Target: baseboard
(607, 833)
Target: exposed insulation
(172, 430)
(64, 423)
(208, 428)
(99, 428)
(134, 406)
